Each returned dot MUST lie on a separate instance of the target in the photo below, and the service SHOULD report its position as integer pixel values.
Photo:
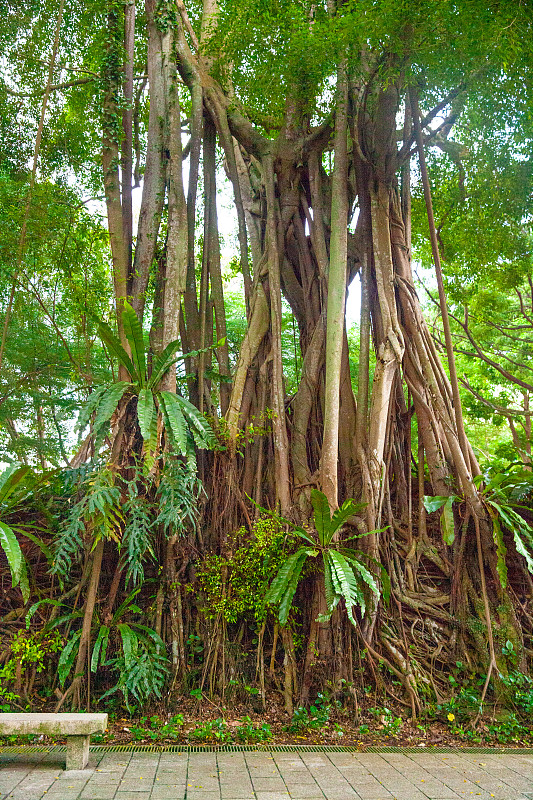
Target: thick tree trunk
(336, 296)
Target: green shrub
(215, 730)
(248, 732)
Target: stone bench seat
(77, 729)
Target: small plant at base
(215, 730)
(520, 689)
(248, 732)
(391, 725)
(510, 729)
(158, 729)
(316, 718)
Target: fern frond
(86, 410)
(341, 515)
(10, 479)
(351, 592)
(174, 420)
(162, 363)
(322, 516)
(198, 421)
(177, 497)
(115, 347)
(108, 403)
(367, 576)
(279, 585)
(145, 413)
(137, 537)
(291, 586)
(134, 335)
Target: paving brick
(265, 776)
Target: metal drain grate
(272, 748)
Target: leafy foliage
(447, 525)
(505, 495)
(142, 667)
(97, 514)
(234, 586)
(11, 479)
(184, 424)
(177, 496)
(345, 575)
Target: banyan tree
(319, 116)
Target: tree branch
(53, 88)
(505, 412)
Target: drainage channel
(269, 748)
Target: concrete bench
(77, 729)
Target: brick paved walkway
(269, 776)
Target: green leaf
(280, 583)
(145, 413)
(360, 568)
(84, 417)
(366, 533)
(286, 600)
(100, 646)
(332, 587)
(341, 515)
(322, 516)
(10, 479)
(434, 503)
(447, 524)
(175, 421)
(328, 582)
(522, 549)
(385, 579)
(337, 588)
(58, 621)
(108, 403)
(125, 605)
(199, 422)
(134, 335)
(67, 657)
(162, 363)
(349, 589)
(45, 550)
(129, 643)
(301, 532)
(150, 634)
(11, 547)
(114, 346)
(36, 605)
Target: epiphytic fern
(184, 424)
(345, 574)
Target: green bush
(234, 586)
(248, 732)
(215, 730)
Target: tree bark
(336, 296)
